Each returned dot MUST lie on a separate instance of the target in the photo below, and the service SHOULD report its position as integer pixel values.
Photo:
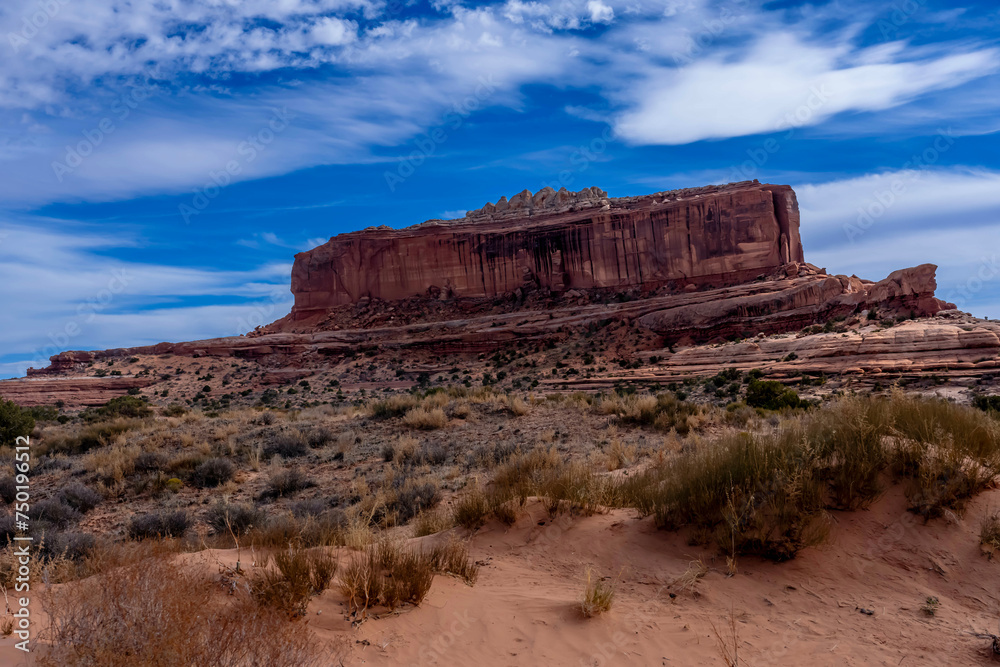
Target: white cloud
(783, 81)
(748, 71)
(334, 32)
(600, 12)
(113, 303)
(878, 223)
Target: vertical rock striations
(715, 235)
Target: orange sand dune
(524, 610)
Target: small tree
(15, 422)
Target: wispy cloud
(63, 291)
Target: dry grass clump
(517, 406)
(452, 557)
(154, 613)
(663, 411)
(752, 493)
(948, 452)
(113, 464)
(432, 522)
(598, 595)
(311, 527)
(989, 535)
(290, 577)
(101, 434)
(765, 493)
(539, 472)
(396, 405)
(385, 574)
(424, 419)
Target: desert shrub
(772, 395)
(174, 410)
(158, 525)
(293, 576)
(71, 546)
(986, 403)
(848, 438)
(432, 522)
(385, 574)
(8, 529)
(664, 411)
(597, 595)
(989, 534)
(394, 406)
(79, 497)
(472, 509)
(52, 512)
(410, 498)
(155, 613)
(127, 407)
(213, 472)
(15, 422)
(324, 528)
(90, 437)
(8, 489)
(320, 436)
(147, 462)
(755, 494)
(424, 419)
(948, 452)
(238, 518)
(285, 482)
(287, 445)
(517, 406)
(452, 557)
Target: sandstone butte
(693, 280)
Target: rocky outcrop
(73, 391)
(560, 241)
(804, 298)
(696, 279)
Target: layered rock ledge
(560, 241)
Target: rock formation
(689, 280)
(560, 241)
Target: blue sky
(162, 162)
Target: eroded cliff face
(558, 241)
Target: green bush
(987, 403)
(130, 407)
(15, 422)
(772, 395)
